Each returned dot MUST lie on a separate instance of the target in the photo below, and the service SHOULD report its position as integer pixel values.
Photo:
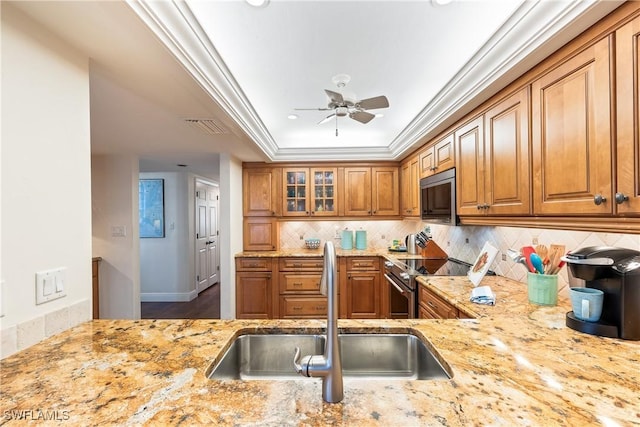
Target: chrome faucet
(329, 365)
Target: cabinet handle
(297, 308)
(598, 199)
(297, 284)
(273, 213)
(621, 198)
(486, 206)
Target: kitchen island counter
(509, 368)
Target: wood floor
(205, 306)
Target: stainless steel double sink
(367, 356)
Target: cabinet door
(410, 184)
(357, 191)
(253, 295)
(571, 133)
(260, 234)
(260, 191)
(469, 142)
(323, 186)
(296, 192)
(628, 115)
(363, 295)
(506, 154)
(385, 187)
(427, 162)
(443, 153)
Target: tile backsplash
(462, 242)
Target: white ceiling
(156, 63)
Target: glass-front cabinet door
(310, 192)
(323, 191)
(296, 195)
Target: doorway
(207, 257)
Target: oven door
(402, 299)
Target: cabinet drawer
(363, 263)
(436, 305)
(297, 307)
(253, 264)
(303, 283)
(298, 264)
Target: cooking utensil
(542, 252)
(517, 257)
(555, 253)
(526, 252)
(536, 261)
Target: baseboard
(168, 296)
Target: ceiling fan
(342, 105)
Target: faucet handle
(296, 361)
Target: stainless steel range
(401, 276)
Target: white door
(207, 255)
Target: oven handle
(395, 285)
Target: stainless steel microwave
(438, 198)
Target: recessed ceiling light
(257, 3)
(441, 2)
(292, 116)
(379, 115)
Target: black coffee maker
(616, 272)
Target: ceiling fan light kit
(343, 106)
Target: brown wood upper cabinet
(371, 191)
(437, 157)
(410, 182)
(571, 131)
(260, 234)
(261, 196)
(492, 153)
(627, 196)
(310, 191)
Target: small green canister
(542, 288)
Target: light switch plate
(50, 285)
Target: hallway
(205, 306)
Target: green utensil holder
(542, 288)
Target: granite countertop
(516, 364)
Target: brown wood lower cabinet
(362, 288)
(431, 306)
(254, 288)
(300, 295)
(96, 286)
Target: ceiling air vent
(208, 126)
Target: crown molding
(180, 32)
(532, 25)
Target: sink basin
(370, 356)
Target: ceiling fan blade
(334, 96)
(326, 119)
(373, 103)
(362, 116)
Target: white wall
(165, 269)
(230, 231)
(114, 184)
(46, 192)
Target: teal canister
(361, 239)
(347, 240)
